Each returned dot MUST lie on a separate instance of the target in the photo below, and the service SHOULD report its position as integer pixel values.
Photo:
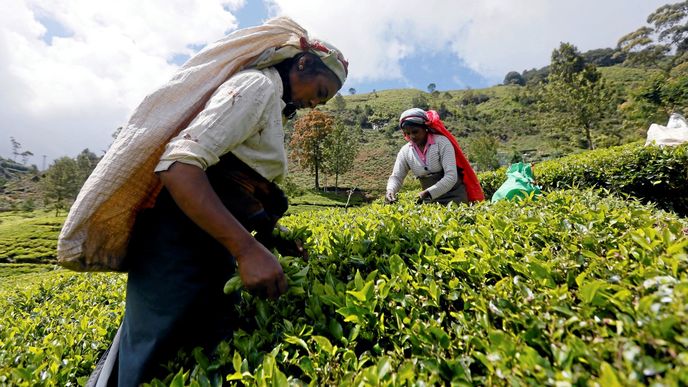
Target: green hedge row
(651, 174)
(572, 289)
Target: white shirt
(440, 157)
(243, 116)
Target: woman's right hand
(390, 197)
(260, 271)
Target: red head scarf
(432, 120)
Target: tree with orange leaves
(307, 141)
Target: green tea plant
(29, 238)
(572, 289)
(53, 330)
(576, 288)
(652, 174)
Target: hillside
(502, 112)
(19, 187)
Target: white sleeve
(231, 115)
(401, 168)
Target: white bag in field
(96, 232)
(674, 133)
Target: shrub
(651, 174)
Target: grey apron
(457, 194)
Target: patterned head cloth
(414, 116)
(329, 54)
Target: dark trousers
(175, 297)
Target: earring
(300, 67)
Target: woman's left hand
(424, 195)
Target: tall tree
(339, 150)
(668, 34)
(61, 183)
(307, 140)
(566, 62)
(16, 146)
(655, 99)
(575, 96)
(352, 91)
(431, 87)
(85, 163)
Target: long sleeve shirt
(439, 157)
(243, 116)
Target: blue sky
(73, 70)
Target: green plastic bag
(519, 183)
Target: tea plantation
(574, 287)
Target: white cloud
(60, 98)
(491, 36)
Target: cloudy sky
(71, 71)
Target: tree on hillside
(61, 183)
(575, 96)
(604, 57)
(655, 100)
(535, 76)
(307, 140)
(16, 146)
(25, 156)
(482, 151)
(514, 78)
(443, 111)
(352, 91)
(668, 34)
(420, 101)
(339, 102)
(566, 62)
(431, 87)
(339, 150)
(86, 161)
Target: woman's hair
(410, 124)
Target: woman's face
(417, 134)
(311, 91)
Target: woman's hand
(260, 271)
(424, 195)
(390, 197)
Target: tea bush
(572, 289)
(652, 174)
(29, 237)
(53, 330)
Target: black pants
(175, 295)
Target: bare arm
(191, 190)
